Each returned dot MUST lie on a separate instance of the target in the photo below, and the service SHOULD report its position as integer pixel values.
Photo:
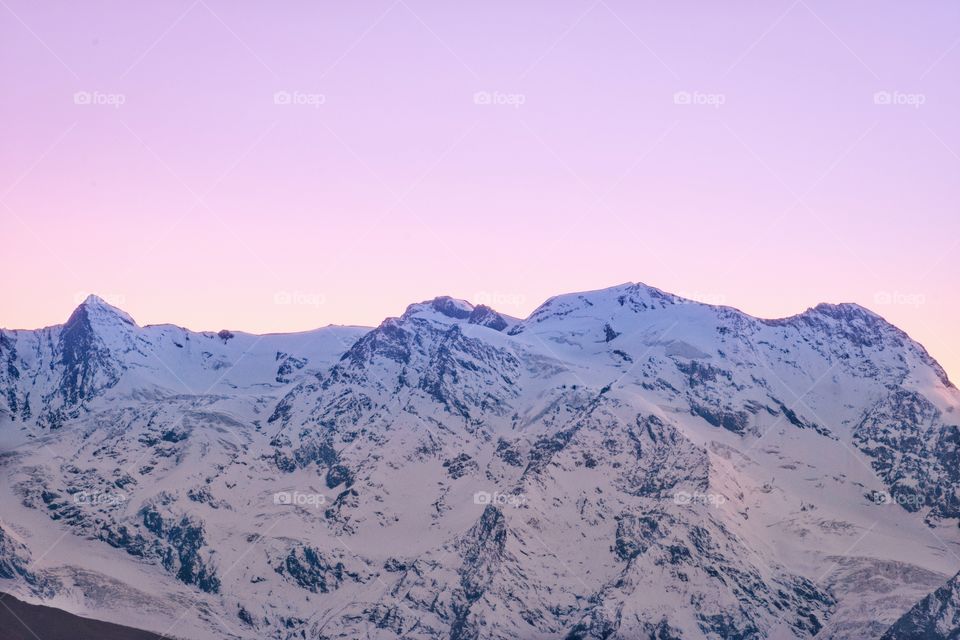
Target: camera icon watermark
(499, 499)
(710, 499)
(899, 98)
(909, 501)
(899, 298)
(499, 98)
(299, 98)
(100, 498)
(699, 98)
(299, 298)
(299, 499)
(499, 299)
(99, 98)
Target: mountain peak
(95, 309)
(443, 306)
(845, 309)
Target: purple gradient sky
(200, 201)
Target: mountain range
(622, 463)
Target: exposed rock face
(915, 451)
(936, 617)
(620, 464)
(311, 570)
(872, 594)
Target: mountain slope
(935, 617)
(622, 463)
(54, 374)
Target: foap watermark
(299, 499)
(699, 98)
(710, 499)
(99, 98)
(899, 99)
(499, 99)
(499, 299)
(899, 298)
(499, 499)
(299, 99)
(299, 298)
(100, 498)
(909, 501)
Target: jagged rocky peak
(635, 297)
(442, 306)
(592, 475)
(96, 311)
(89, 330)
(844, 310)
(447, 309)
(87, 358)
(861, 328)
(842, 316)
(487, 317)
(848, 313)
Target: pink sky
(184, 193)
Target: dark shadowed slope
(22, 621)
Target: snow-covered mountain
(622, 463)
(936, 616)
